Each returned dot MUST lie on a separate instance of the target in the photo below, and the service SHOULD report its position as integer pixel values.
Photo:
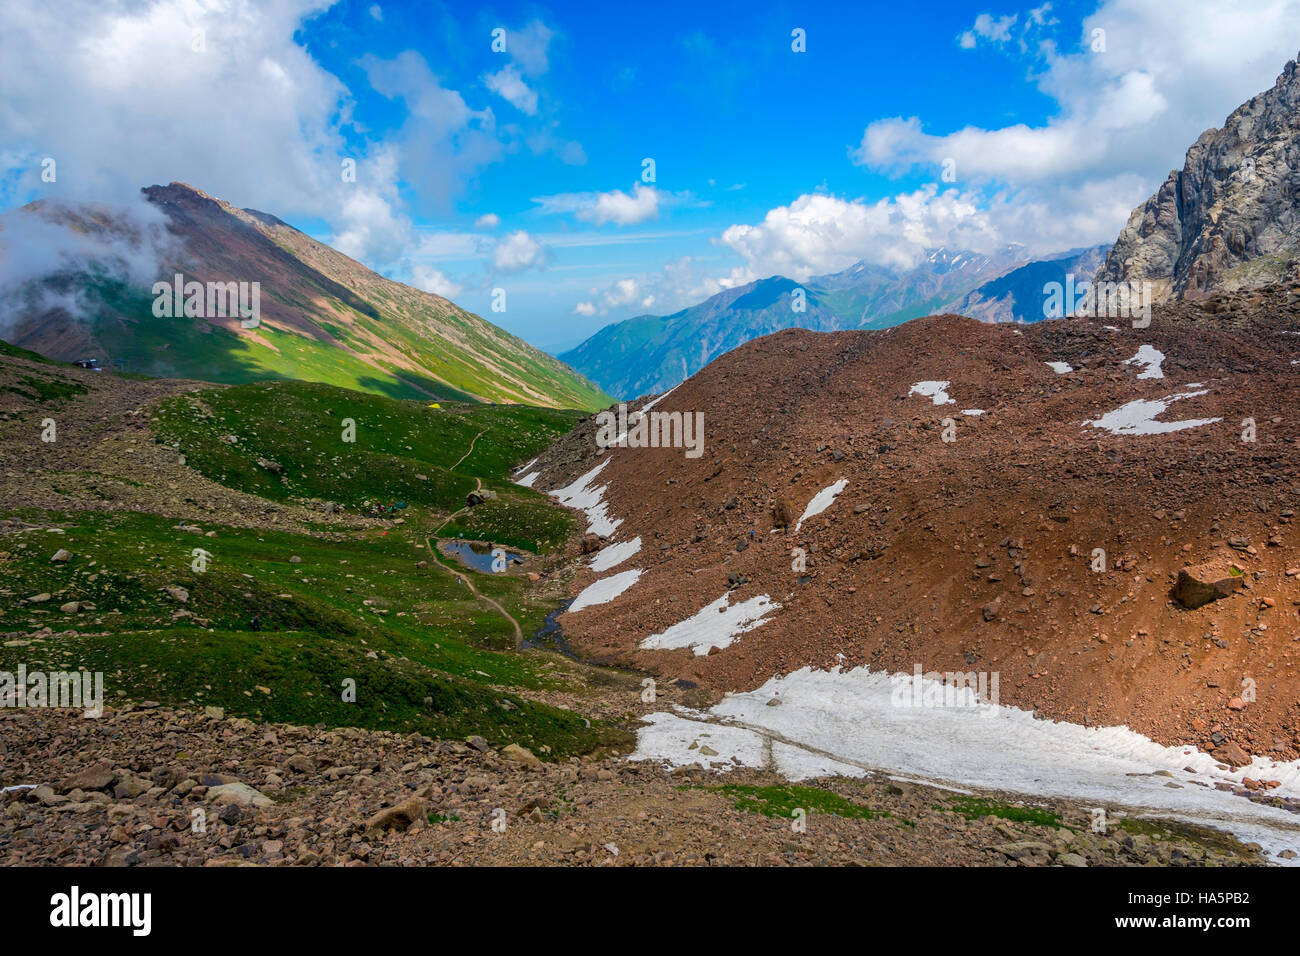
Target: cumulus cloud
(489, 220)
(819, 233)
(616, 206)
(585, 308)
(1128, 109)
(435, 281)
(133, 93)
(519, 251)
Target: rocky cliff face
(1229, 218)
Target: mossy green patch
(973, 808)
(782, 801)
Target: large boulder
(99, 776)
(240, 794)
(407, 814)
(1203, 583)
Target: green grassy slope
(424, 654)
(324, 316)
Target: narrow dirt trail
(470, 452)
(463, 576)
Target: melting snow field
(1151, 359)
(604, 590)
(716, 625)
(615, 554)
(1139, 417)
(972, 411)
(846, 722)
(935, 391)
(583, 496)
(1060, 368)
(821, 501)
(528, 479)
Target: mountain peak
(1228, 219)
(321, 316)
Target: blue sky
(737, 122)
(522, 169)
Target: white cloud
(519, 251)
(1125, 116)
(988, 27)
(818, 233)
(432, 280)
(443, 142)
(529, 46)
(120, 97)
(489, 220)
(376, 12)
(510, 86)
(616, 206)
(131, 93)
(680, 283)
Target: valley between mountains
(223, 685)
(366, 582)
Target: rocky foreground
(149, 786)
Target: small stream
(550, 637)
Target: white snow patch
(933, 390)
(972, 411)
(1139, 417)
(615, 554)
(584, 497)
(635, 416)
(527, 480)
(605, 590)
(1060, 368)
(848, 723)
(715, 625)
(821, 501)
(1151, 358)
(525, 466)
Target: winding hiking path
(470, 452)
(463, 576)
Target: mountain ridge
(325, 316)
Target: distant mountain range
(324, 317)
(1229, 219)
(1018, 296)
(652, 353)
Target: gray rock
(1228, 219)
(239, 793)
